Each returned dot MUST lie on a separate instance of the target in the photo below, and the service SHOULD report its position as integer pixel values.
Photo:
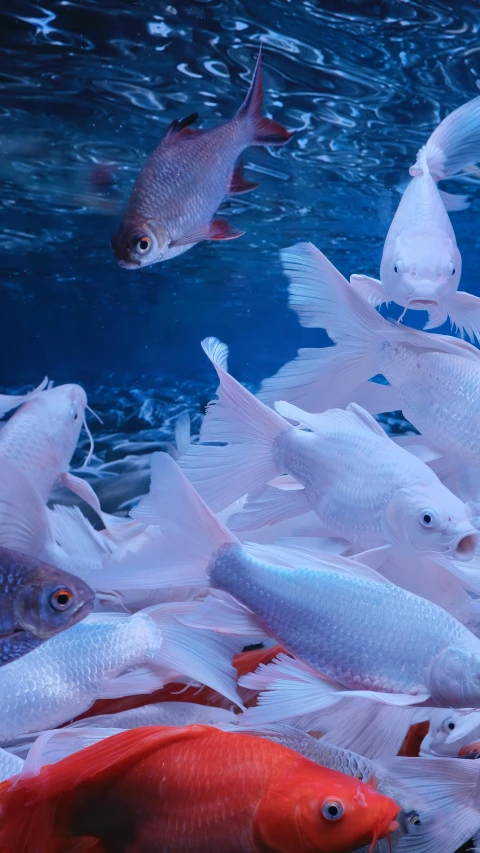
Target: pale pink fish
(41, 437)
(421, 263)
(185, 180)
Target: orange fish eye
(332, 810)
(143, 244)
(61, 598)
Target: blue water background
(88, 89)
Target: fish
(107, 656)
(416, 653)
(192, 789)
(433, 379)
(450, 730)
(185, 180)
(421, 263)
(41, 436)
(438, 800)
(37, 601)
(398, 503)
(10, 765)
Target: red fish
(190, 790)
(185, 180)
(471, 750)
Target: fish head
(419, 270)
(140, 243)
(454, 679)
(431, 519)
(322, 810)
(51, 600)
(60, 413)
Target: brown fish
(36, 602)
(186, 179)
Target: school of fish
(277, 649)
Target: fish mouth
(128, 265)
(424, 302)
(465, 547)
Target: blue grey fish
(185, 180)
(37, 601)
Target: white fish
(362, 486)
(163, 714)
(421, 264)
(343, 619)
(110, 656)
(10, 765)
(449, 731)
(434, 379)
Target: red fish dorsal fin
(32, 815)
(180, 126)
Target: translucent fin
(454, 202)
(370, 288)
(455, 143)
(464, 314)
(12, 401)
(270, 507)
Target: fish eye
(332, 810)
(427, 518)
(75, 414)
(453, 271)
(448, 725)
(396, 268)
(61, 598)
(143, 244)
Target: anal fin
(239, 183)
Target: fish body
(403, 503)
(192, 790)
(421, 263)
(434, 379)
(185, 180)
(107, 656)
(41, 437)
(37, 601)
(359, 633)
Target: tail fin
(179, 552)
(320, 378)
(455, 143)
(443, 795)
(264, 131)
(247, 430)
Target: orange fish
(190, 790)
(471, 750)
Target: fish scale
(64, 676)
(363, 634)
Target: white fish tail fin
(455, 143)
(443, 793)
(245, 427)
(190, 533)
(194, 654)
(464, 314)
(290, 688)
(269, 507)
(453, 202)
(12, 401)
(321, 378)
(261, 130)
(369, 728)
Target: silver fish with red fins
(182, 184)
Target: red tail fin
(35, 809)
(265, 130)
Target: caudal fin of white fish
(25, 521)
(369, 728)
(163, 714)
(246, 429)
(181, 537)
(290, 688)
(443, 793)
(463, 311)
(455, 143)
(197, 655)
(12, 401)
(262, 130)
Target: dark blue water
(88, 89)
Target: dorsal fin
(180, 124)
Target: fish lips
(422, 302)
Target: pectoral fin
(464, 313)
(370, 288)
(218, 229)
